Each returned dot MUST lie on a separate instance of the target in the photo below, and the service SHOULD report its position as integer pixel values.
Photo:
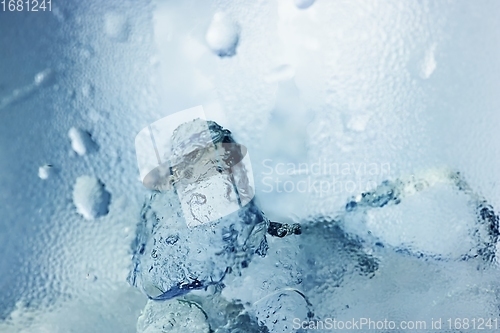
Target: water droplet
(280, 73)
(116, 26)
(45, 171)
(94, 116)
(81, 141)
(86, 52)
(223, 35)
(429, 63)
(87, 90)
(43, 77)
(90, 197)
(357, 123)
(303, 4)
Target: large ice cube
(201, 224)
(434, 213)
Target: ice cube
(203, 227)
(434, 213)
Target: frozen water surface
(366, 102)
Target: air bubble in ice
(223, 35)
(303, 4)
(45, 171)
(116, 26)
(90, 197)
(81, 141)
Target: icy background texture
(412, 85)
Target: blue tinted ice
(183, 241)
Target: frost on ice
(223, 35)
(81, 141)
(90, 197)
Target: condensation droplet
(45, 171)
(280, 73)
(43, 77)
(87, 90)
(86, 52)
(116, 26)
(81, 141)
(90, 197)
(429, 63)
(358, 123)
(223, 35)
(303, 4)
(94, 115)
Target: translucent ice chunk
(438, 222)
(435, 213)
(81, 141)
(190, 235)
(296, 279)
(90, 197)
(223, 35)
